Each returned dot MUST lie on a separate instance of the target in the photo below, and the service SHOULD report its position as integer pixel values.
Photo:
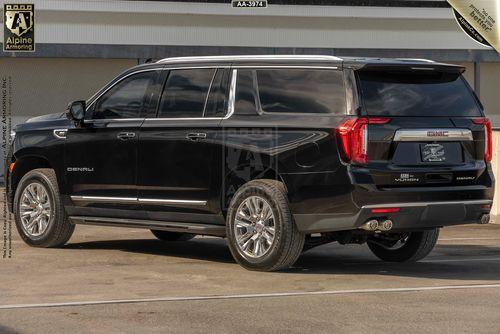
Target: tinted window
(185, 93)
(246, 95)
(416, 94)
(126, 99)
(301, 91)
(217, 98)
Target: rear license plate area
(441, 153)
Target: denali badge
(465, 178)
(433, 153)
(80, 169)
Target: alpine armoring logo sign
(19, 27)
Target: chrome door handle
(196, 136)
(125, 135)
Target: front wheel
(260, 229)
(409, 247)
(40, 217)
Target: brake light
(488, 139)
(353, 137)
(385, 210)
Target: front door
(101, 155)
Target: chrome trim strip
(174, 60)
(443, 134)
(171, 201)
(184, 118)
(135, 200)
(103, 120)
(105, 199)
(232, 95)
(288, 66)
(58, 133)
(420, 204)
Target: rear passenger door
(179, 163)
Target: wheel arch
(24, 164)
(233, 180)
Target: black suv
(276, 153)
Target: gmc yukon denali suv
(278, 154)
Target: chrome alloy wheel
(35, 209)
(254, 227)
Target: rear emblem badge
(406, 177)
(438, 133)
(433, 153)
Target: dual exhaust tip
(377, 226)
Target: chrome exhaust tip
(371, 225)
(385, 225)
(485, 219)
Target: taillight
(353, 137)
(488, 139)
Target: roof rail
(174, 60)
(417, 59)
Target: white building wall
(171, 23)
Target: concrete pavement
(107, 264)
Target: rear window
(301, 91)
(416, 94)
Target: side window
(218, 96)
(127, 99)
(185, 93)
(301, 91)
(246, 95)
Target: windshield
(429, 93)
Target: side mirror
(76, 111)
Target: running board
(194, 228)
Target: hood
(46, 117)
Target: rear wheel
(172, 236)
(260, 229)
(409, 247)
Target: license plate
(433, 153)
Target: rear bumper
(411, 216)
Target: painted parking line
(463, 260)
(479, 238)
(251, 296)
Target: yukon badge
(80, 169)
(407, 177)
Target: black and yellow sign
(19, 27)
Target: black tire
(417, 246)
(59, 228)
(172, 236)
(288, 242)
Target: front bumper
(411, 216)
